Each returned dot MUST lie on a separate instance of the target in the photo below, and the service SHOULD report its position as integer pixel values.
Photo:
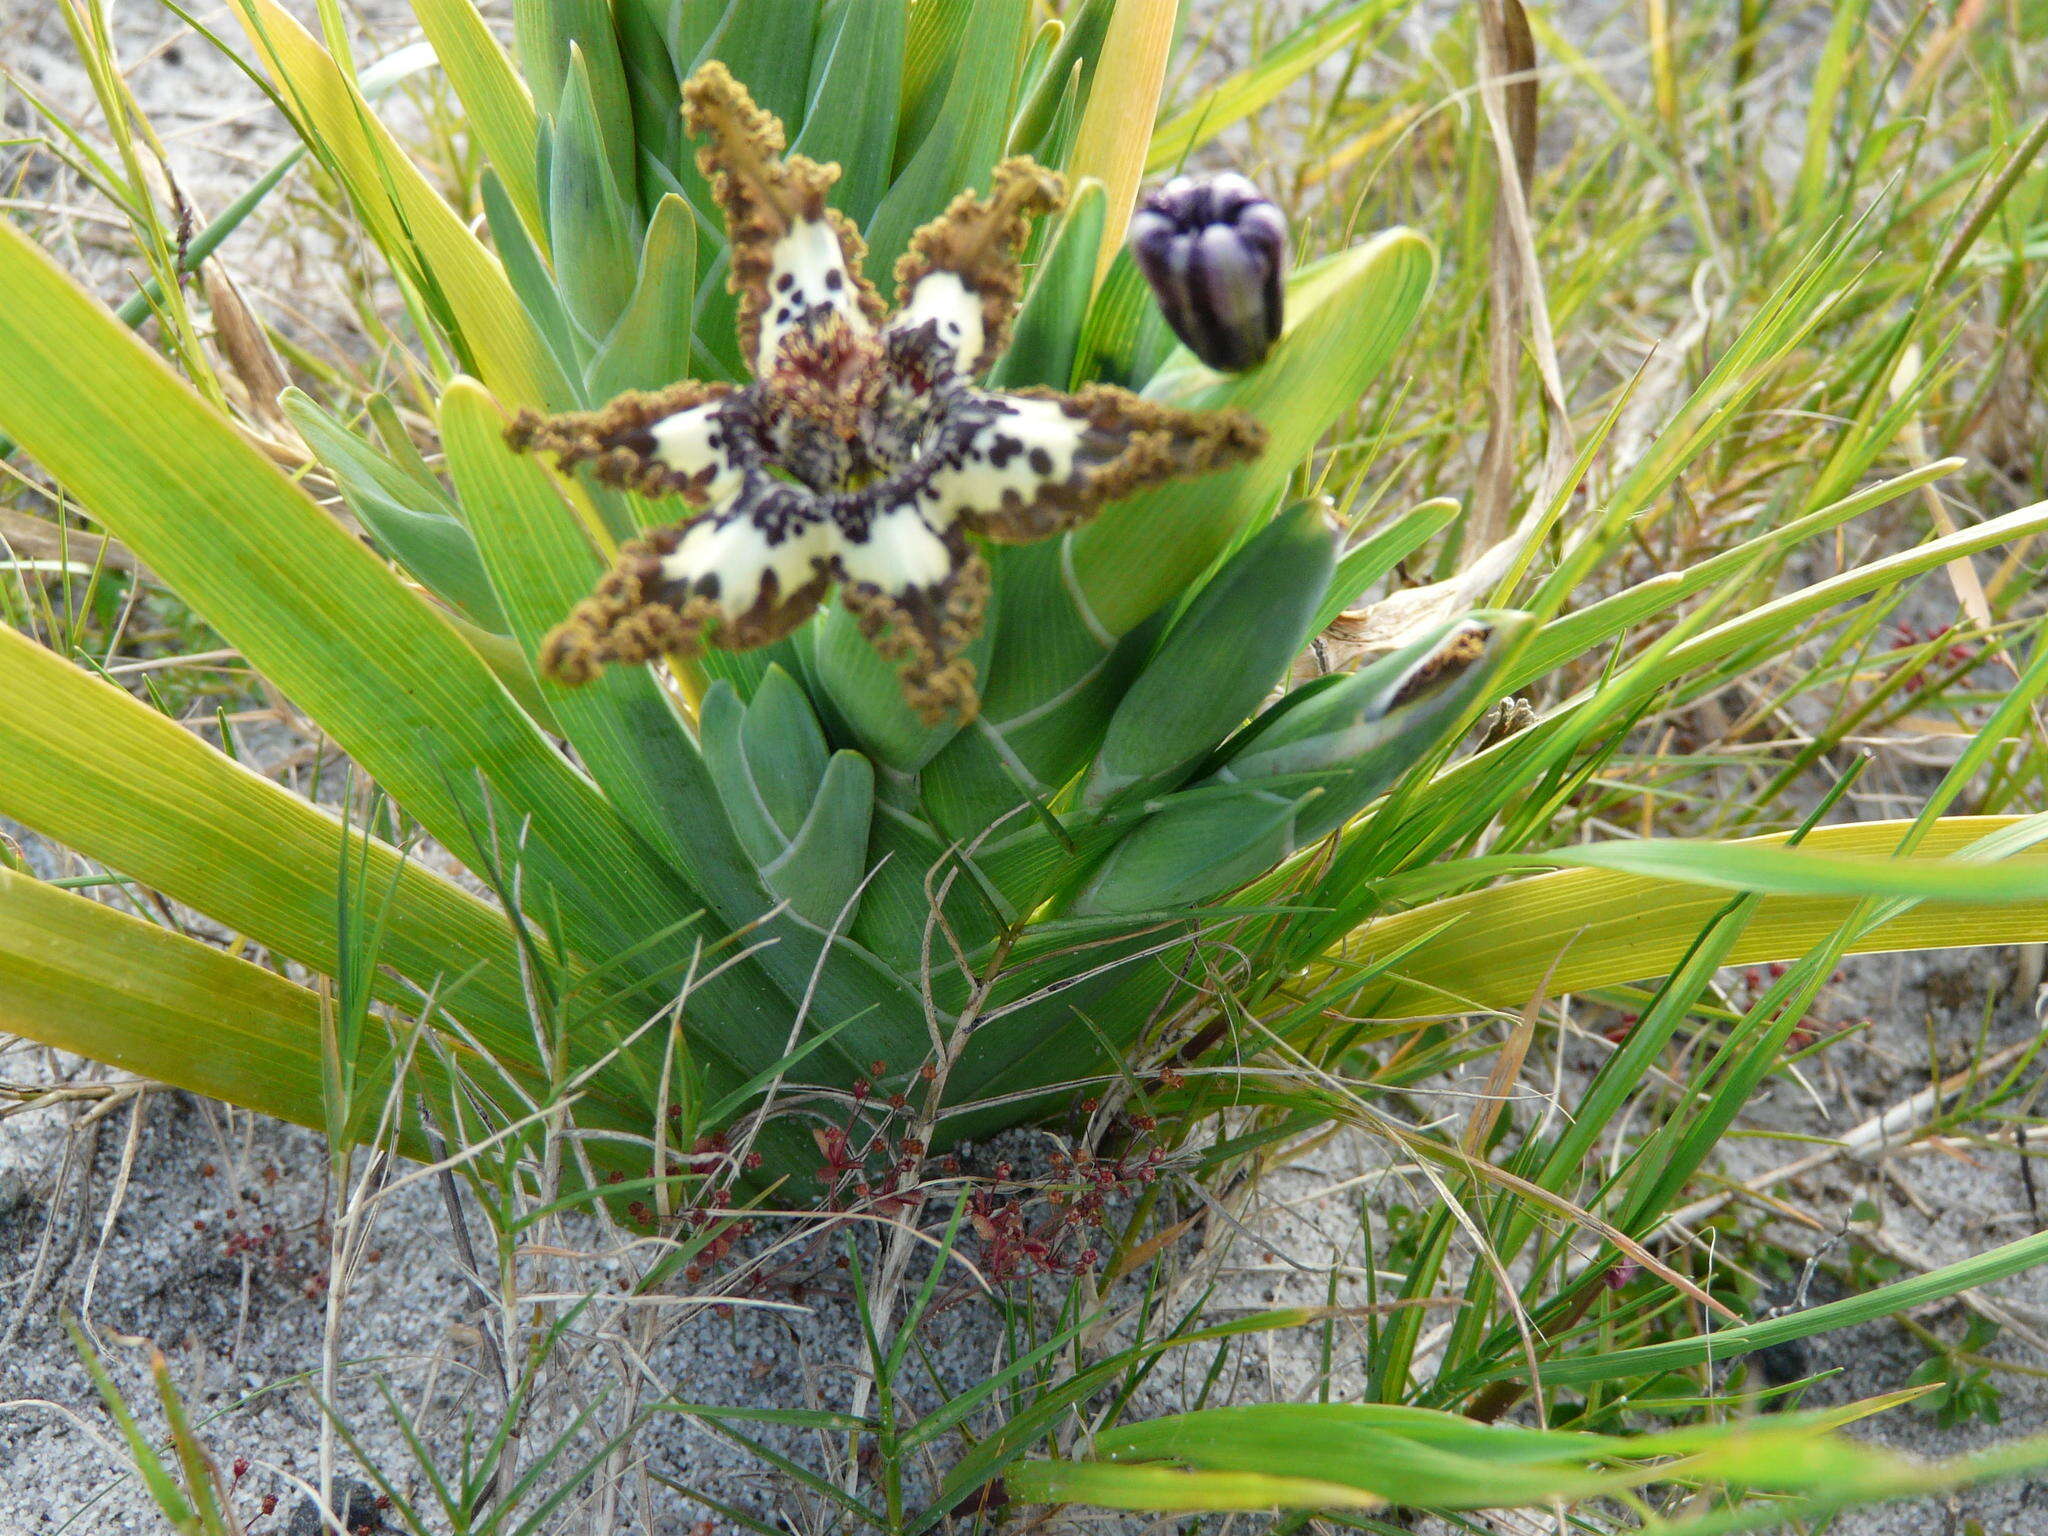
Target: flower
(1215, 252)
(862, 454)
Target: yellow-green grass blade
(1172, 1489)
(1583, 928)
(410, 222)
(634, 744)
(1338, 1455)
(1115, 135)
(496, 106)
(95, 769)
(318, 614)
(83, 977)
(1226, 104)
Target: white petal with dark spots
(807, 274)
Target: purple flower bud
(1215, 251)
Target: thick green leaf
(786, 750)
(657, 95)
(531, 279)
(1053, 683)
(1221, 658)
(1169, 1489)
(1042, 348)
(414, 522)
(967, 136)
(1301, 779)
(868, 695)
(649, 347)
(933, 37)
(549, 33)
(1345, 322)
(767, 46)
(820, 871)
(634, 743)
(589, 223)
(855, 94)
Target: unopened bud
(1215, 251)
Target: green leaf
(94, 769)
(967, 136)
(649, 347)
(549, 34)
(1358, 1454)
(317, 612)
(866, 691)
(1125, 337)
(1173, 1490)
(1230, 102)
(1043, 345)
(656, 93)
(932, 43)
(414, 523)
(1396, 709)
(1195, 847)
(433, 247)
(634, 744)
(721, 723)
(527, 271)
(1301, 779)
(1345, 321)
(767, 46)
(1221, 658)
(1367, 562)
(2011, 1258)
(821, 869)
(80, 976)
(1802, 872)
(1566, 932)
(589, 223)
(855, 95)
(1059, 87)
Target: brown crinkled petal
(1023, 466)
(688, 440)
(924, 630)
(963, 274)
(737, 578)
(623, 621)
(791, 254)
